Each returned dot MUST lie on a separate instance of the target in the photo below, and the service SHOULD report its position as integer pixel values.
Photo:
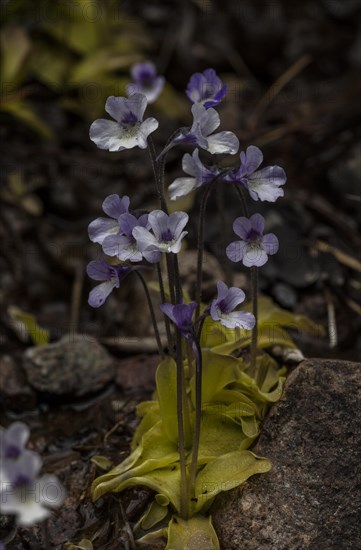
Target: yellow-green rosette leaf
(218, 371)
(153, 515)
(226, 472)
(166, 380)
(196, 533)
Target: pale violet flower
(114, 206)
(26, 495)
(199, 175)
(166, 237)
(254, 248)
(264, 184)
(111, 277)
(146, 81)
(222, 308)
(206, 88)
(129, 130)
(205, 122)
(181, 315)
(123, 245)
(22, 492)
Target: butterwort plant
(184, 448)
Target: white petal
(100, 293)
(146, 128)
(144, 238)
(25, 505)
(137, 103)
(159, 222)
(106, 134)
(270, 243)
(189, 163)
(209, 121)
(101, 228)
(51, 491)
(254, 256)
(240, 319)
(223, 142)
(116, 107)
(176, 247)
(235, 251)
(181, 187)
(176, 223)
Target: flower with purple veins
(146, 81)
(200, 175)
(181, 315)
(123, 245)
(206, 88)
(205, 121)
(111, 277)
(13, 440)
(167, 234)
(23, 493)
(264, 184)
(114, 206)
(254, 247)
(222, 308)
(129, 130)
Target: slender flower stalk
(152, 314)
(253, 250)
(181, 433)
(198, 402)
(156, 166)
(163, 300)
(254, 341)
(181, 315)
(200, 238)
(242, 199)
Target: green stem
(152, 314)
(171, 278)
(163, 300)
(177, 281)
(254, 289)
(197, 428)
(200, 323)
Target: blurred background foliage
(80, 50)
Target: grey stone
(75, 366)
(311, 499)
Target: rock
(311, 498)
(15, 392)
(75, 366)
